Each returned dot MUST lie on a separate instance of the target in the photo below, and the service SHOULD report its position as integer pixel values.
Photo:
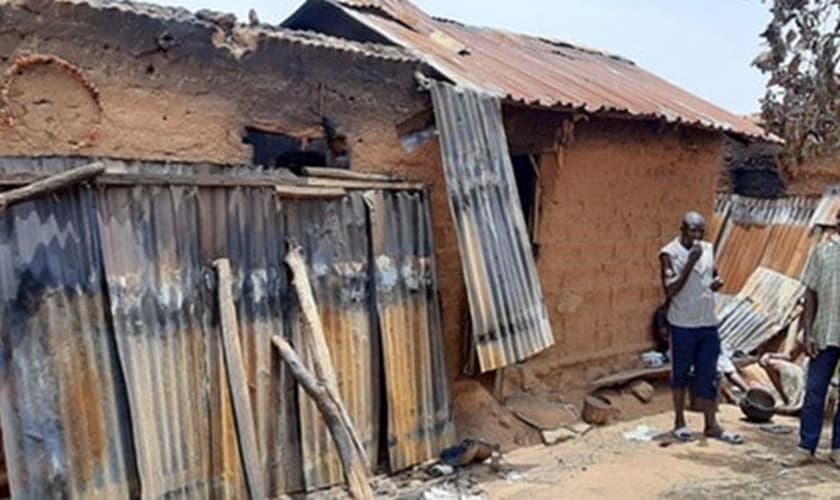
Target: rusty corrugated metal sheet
(420, 416)
(334, 236)
(760, 311)
(509, 318)
(773, 233)
(158, 303)
(64, 413)
(540, 71)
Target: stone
(558, 436)
(580, 428)
(642, 390)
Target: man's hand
(695, 254)
(811, 347)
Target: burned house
(606, 157)
(115, 379)
(506, 193)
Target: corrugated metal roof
(540, 71)
(263, 31)
(420, 422)
(509, 318)
(760, 311)
(64, 412)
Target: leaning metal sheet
(509, 318)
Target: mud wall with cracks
(175, 87)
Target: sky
(704, 46)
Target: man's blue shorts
(696, 348)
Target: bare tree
(802, 102)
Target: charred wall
(162, 84)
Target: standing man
(821, 339)
(690, 279)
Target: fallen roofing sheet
(171, 414)
(509, 318)
(760, 311)
(773, 233)
(527, 69)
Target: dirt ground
(603, 464)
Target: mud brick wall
(611, 198)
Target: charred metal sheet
(420, 419)
(509, 319)
(761, 310)
(334, 237)
(64, 413)
(528, 69)
(158, 244)
(165, 326)
(146, 309)
(773, 233)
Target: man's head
(693, 227)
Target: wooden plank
(314, 339)
(330, 406)
(309, 192)
(362, 185)
(339, 173)
(235, 368)
(50, 183)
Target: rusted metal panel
(64, 413)
(166, 331)
(149, 249)
(509, 319)
(420, 419)
(540, 71)
(760, 311)
(334, 236)
(773, 233)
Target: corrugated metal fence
(113, 381)
(509, 319)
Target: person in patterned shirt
(821, 339)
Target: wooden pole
(238, 383)
(50, 183)
(330, 406)
(314, 339)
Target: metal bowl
(758, 405)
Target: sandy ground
(603, 464)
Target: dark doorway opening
(527, 175)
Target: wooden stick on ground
(238, 383)
(49, 184)
(328, 403)
(314, 339)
